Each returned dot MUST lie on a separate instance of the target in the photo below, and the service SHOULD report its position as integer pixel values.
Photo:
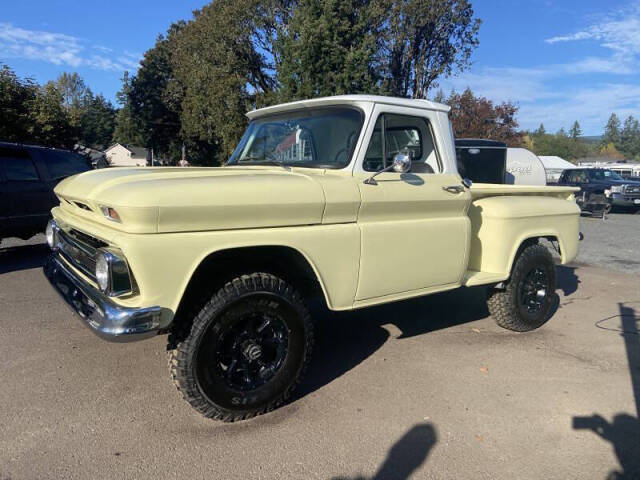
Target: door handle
(454, 189)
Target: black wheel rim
(533, 290)
(252, 350)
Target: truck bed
(481, 190)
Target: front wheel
(246, 351)
(526, 302)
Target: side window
(18, 166)
(64, 164)
(402, 133)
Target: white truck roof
(348, 100)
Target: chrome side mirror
(401, 164)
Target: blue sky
(559, 60)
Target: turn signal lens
(111, 214)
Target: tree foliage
(478, 117)
(60, 113)
(423, 41)
(195, 85)
(331, 49)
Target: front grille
(79, 249)
(632, 189)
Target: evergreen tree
(50, 125)
(541, 130)
(612, 131)
(330, 49)
(155, 96)
(128, 129)
(575, 131)
(98, 123)
(16, 99)
(630, 138)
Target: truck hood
(150, 200)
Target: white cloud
(543, 99)
(59, 49)
(619, 32)
(556, 95)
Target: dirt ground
(427, 388)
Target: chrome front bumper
(107, 319)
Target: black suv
(28, 175)
(600, 182)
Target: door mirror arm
(401, 164)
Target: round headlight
(50, 233)
(102, 271)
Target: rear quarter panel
(500, 224)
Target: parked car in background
(599, 185)
(28, 175)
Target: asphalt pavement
(427, 388)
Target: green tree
(75, 97)
(128, 128)
(575, 131)
(330, 49)
(221, 62)
(541, 130)
(16, 99)
(612, 131)
(630, 138)
(50, 125)
(98, 123)
(155, 97)
(424, 41)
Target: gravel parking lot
(612, 243)
(427, 388)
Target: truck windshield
(604, 175)
(317, 138)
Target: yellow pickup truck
(355, 199)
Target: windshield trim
(293, 111)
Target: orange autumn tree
(479, 117)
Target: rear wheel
(246, 351)
(526, 301)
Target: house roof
(139, 152)
(553, 162)
(348, 100)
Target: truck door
(415, 231)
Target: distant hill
(592, 138)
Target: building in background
(554, 166)
(120, 155)
(622, 168)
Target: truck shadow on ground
(406, 455)
(345, 339)
(23, 257)
(623, 432)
